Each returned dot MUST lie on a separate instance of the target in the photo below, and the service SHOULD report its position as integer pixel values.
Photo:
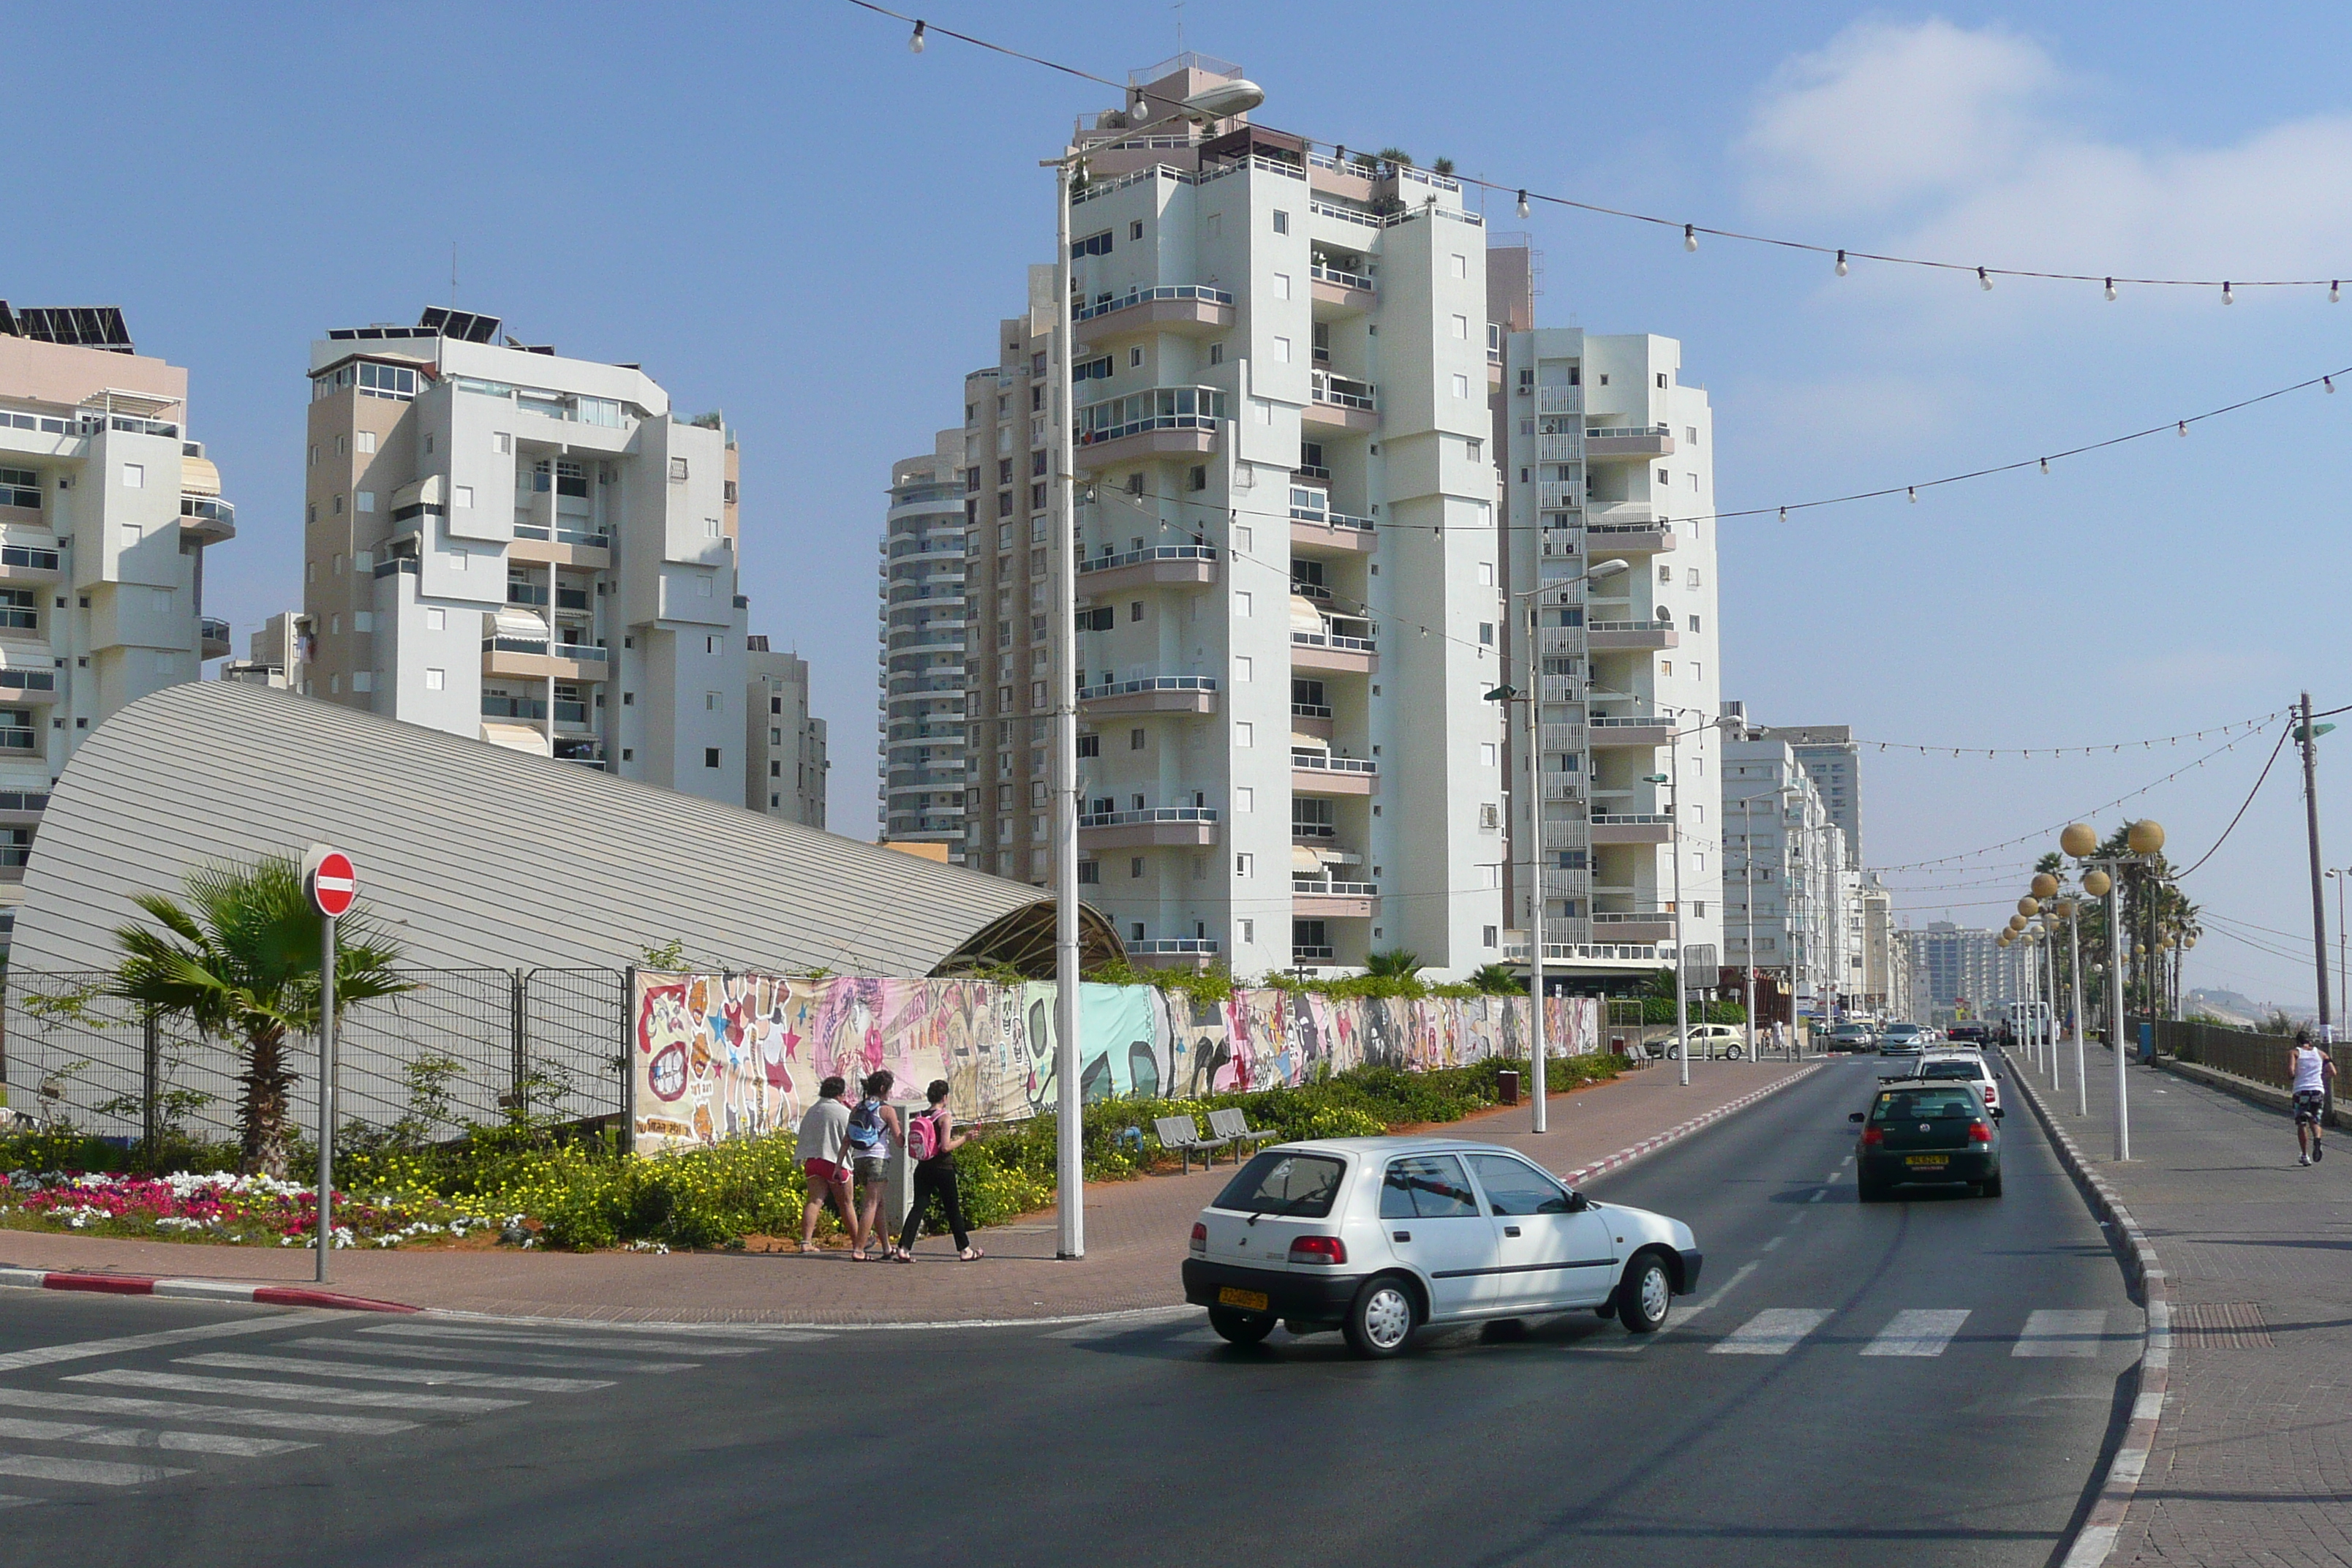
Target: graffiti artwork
(733, 1056)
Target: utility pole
(1069, 1162)
(2310, 739)
(1537, 1045)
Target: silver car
(1378, 1237)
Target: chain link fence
(464, 1046)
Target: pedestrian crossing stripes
(137, 1437)
(296, 1393)
(1917, 1332)
(422, 1374)
(2054, 1333)
(495, 1356)
(1776, 1331)
(469, 1334)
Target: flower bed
(214, 1207)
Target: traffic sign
(330, 880)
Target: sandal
(858, 1255)
(971, 1255)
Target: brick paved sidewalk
(1135, 1238)
(2253, 1461)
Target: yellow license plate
(1255, 1300)
(1926, 1159)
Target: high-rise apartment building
(1781, 853)
(924, 627)
(784, 742)
(1887, 982)
(1608, 454)
(1959, 973)
(1831, 755)
(1288, 556)
(506, 543)
(106, 507)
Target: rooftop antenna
(1179, 9)
(453, 275)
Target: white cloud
(1956, 145)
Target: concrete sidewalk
(1136, 1235)
(2251, 1461)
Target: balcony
(1559, 639)
(1633, 827)
(1301, 952)
(1175, 952)
(1151, 827)
(1183, 308)
(1562, 689)
(28, 685)
(1606, 539)
(1319, 772)
(1327, 653)
(1347, 292)
(1314, 898)
(1628, 441)
(1315, 526)
(1629, 636)
(1559, 495)
(1632, 730)
(27, 564)
(212, 637)
(1561, 543)
(1559, 400)
(206, 520)
(1166, 421)
(1162, 566)
(1565, 446)
(1152, 694)
(1339, 403)
(538, 659)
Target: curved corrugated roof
(490, 857)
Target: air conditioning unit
(1490, 814)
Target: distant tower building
(1829, 754)
(786, 746)
(924, 628)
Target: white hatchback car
(1377, 1237)
(1961, 1062)
(1710, 1042)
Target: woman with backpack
(874, 1131)
(932, 1143)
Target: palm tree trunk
(261, 1111)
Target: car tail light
(1200, 1237)
(1988, 1094)
(1872, 1136)
(1328, 1250)
(1979, 1132)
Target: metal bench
(1233, 1126)
(1182, 1135)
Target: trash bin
(1506, 1083)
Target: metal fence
(465, 1045)
(2241, 1053)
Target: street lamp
(1672, 781)
(2144, 839)
(1779, 799)
(2339, 877)
(1530, 663)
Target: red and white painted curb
(194, 1290)
(1677, 1134)
(2096, 1540)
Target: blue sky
(784, 215)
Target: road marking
(95, 1472)
(1124, 1324)
(1833, 1176)
(47, 1355)
(1917, 1332)
(143, 1437)
(299, 1392)
(304, 1365)
(7, 1501)
(496, 1336)
(1775, 1242)
(485, 1354)
(1775, 1331)
(765, 1333)
(2058, 1334)
(179, 1410)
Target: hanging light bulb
(1841, 264)
(2228, 298)
(1784, 511)
(2184, 427)
(1523, 204)
(2111, 291)
(1690, 236)
(2335, 292)
(1913, 491)
(2045, 464)
(2328, 382)
(1984, 279)
(914, 44)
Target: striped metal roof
(473, 854)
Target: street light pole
(1674, 841)
(1069, 1162)
(1747, 911)
(2310, 739)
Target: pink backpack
(923, 1138)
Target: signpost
(332, 885)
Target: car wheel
(1674, 1052)
(1381, 1319)
(1731, 1052)
(1992, 1187)
(1646, 1294)
(1238, 1328)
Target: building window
(710, 756)
(1216, 354)
(710, 703)
(134, 476)
(1462, 326)
(1134, 867)
(1090, 745)
(1461, 386)
(1662, 380)
(678, 474)
(1090, 873)
(1281, 221)
(1245, 865)
(364, 680)
(1245, 799)
(1245, 735)
(133, 533)
(1135, 359)
(711, 528)
(367, 501)
(462, 497)
(1282, 351)
(1486, 753)
(1487, 634)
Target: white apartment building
(1783, 856)
(1287, 583)
(1959, 973)
(785, 743)
(1829, 754)
(506, 543)
(1608, 454)
(1887, 982)
(273, 656)
(106, 507)
(920, 793)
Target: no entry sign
(331, 879)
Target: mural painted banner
(732, 1055)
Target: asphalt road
(1921, 1382)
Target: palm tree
(1396, 963)
(1496, 980)
(241, 960)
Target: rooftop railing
(1141, 296)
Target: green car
(1924, 1133)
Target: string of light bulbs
(1525, 197)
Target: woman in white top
(2314, 1068)
(875, 1120)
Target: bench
(1182, 1135)
(1233, 1126)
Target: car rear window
(1904, 1104)
(1280, 1183)
(1952, 1069)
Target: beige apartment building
(106, 508)
(786, 746)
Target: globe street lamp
(2144, 839)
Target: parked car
(1942, 1062)
(1710, 1042)
(1379, 1237)
(1851, 1037)
(1916, 1133)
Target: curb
(195, 1289)
(1625, 1157)
(2096, 1540)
